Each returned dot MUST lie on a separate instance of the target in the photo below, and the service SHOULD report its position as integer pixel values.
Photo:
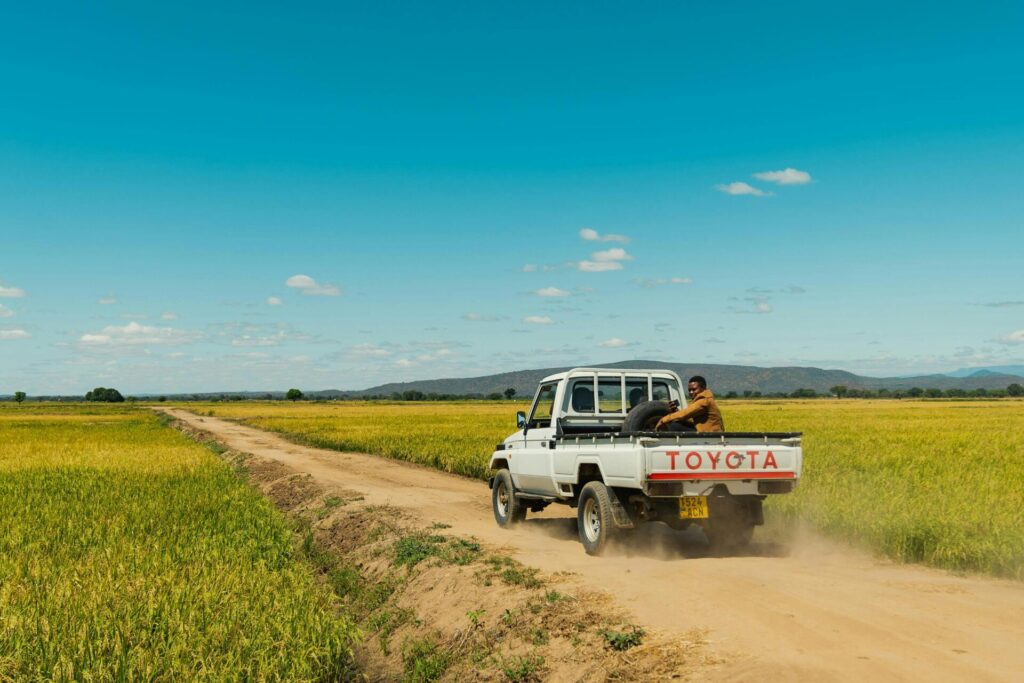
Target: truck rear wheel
(508, 510)
(594, 517)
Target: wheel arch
(588, 469)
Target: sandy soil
(814, 610)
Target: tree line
(110, 395)
(842, 391)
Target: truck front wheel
(508, 510)
(594, 517)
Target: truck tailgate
(704, 462)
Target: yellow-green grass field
(939, 482)
(130, 553)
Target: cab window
(636, 391)
(581, 397)
(543, 406)
(661, 391)
(609, 395)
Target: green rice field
(130, 553)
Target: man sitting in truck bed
(702, 412)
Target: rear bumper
(674, 487)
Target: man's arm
(698, 408)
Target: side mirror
(520, 419)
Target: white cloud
(11, 292)
(14, 334)
(168, 315)
(603, 261)
(551, 291)
(661, 281)
(598, 266)
(530, 268)
(107, 301)
(6, 312)
(1012, 338)
(311, 287)
(434, 355)
(405, 363)
(758, 305)
(538, 320)
(256, 340)
(592, 235)
(369, 351)
(134, 334)
(614, 343)
(1001, 304)
(787, 176)
(614, 254)
(481, 318)
(740, 188)
(274, 301)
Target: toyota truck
(589, 441)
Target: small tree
(104, 395)
(1014, 389)
(510, 392)
(839, 390)
(293, 395)
(19, 396)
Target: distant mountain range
(721, 378)
(992, 370)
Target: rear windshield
(609, 395)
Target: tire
(594, 518)
(729, 528)
(644, 416)
(508, 510)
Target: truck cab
(580, 401)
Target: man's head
(696, 385)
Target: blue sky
(434, 173)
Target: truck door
(531, 466)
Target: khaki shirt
(702, 412)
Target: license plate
(693, 507)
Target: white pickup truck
(589, 442)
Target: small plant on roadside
(623, 640)
(512, 573)
(522, 669)
(424, 661)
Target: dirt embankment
(813, 610)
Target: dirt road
(813, 611)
